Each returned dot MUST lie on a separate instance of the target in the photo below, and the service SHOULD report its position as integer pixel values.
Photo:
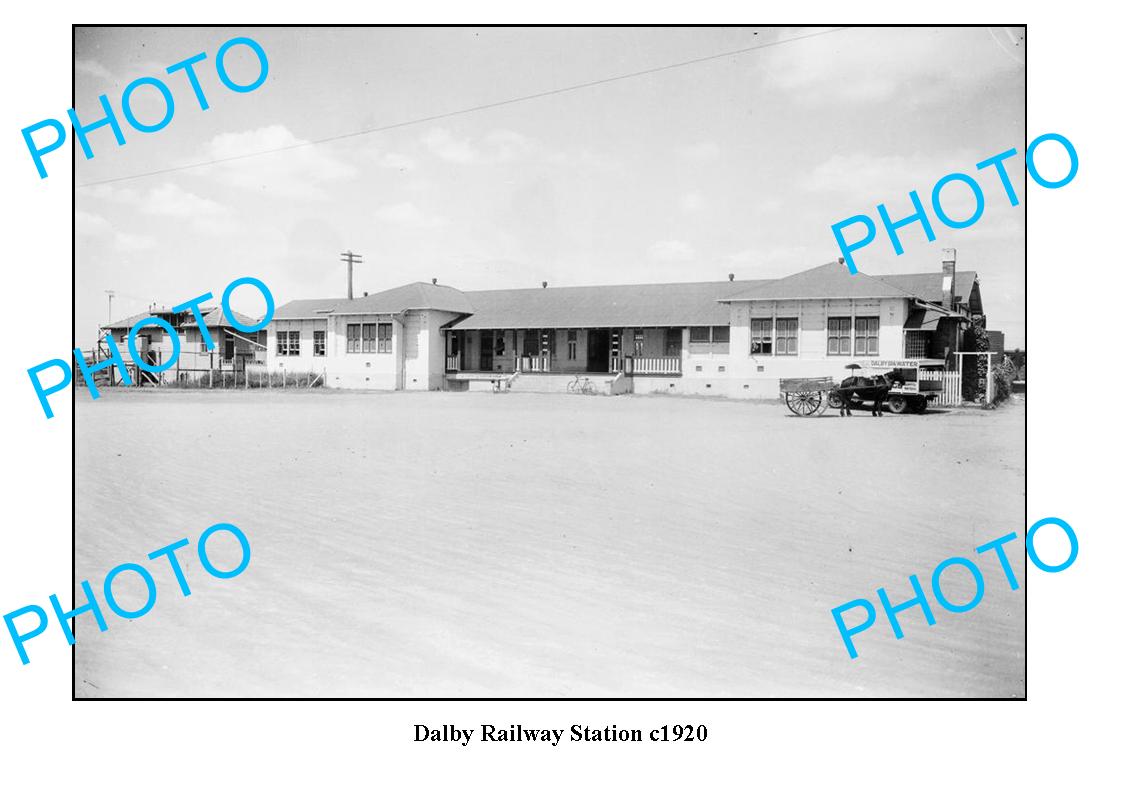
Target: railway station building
(734, 338)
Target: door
(487, 342)
(597, 353)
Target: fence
(647, 366)
(951, 384)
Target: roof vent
(365, 294)
(731, 277)
(434, 280)
(544, 283)
(841, 260)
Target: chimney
(731, 277)
(544, 283)
(948, 286)
(434, 280)
(365, 294)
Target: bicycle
(581, 384)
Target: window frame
(384, 338)
(769, 339)
(866, 337)
(785, 337)
(319, 342)
(354, 342)
(839, 336)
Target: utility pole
(111, 294)
(351, 259)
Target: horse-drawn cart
(807, 397)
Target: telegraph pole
(351, 259)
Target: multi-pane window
(787, 337)
(709, 334)
(369, 338)
(865, 336)
(288, 344)
(319, 343)
(571, 343)
(760, 330)
(637, 342)
(838, 337)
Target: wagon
(807, 397)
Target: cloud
(701, 152)
(691, 202)
(671, 251)
(94, 69)
(167, 201)
(865, 66)
(498, 146)
(91, 225)
(875, 179)
(447, 147)
(407, 214)
(299, 171)
(171, 200)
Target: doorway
(597, 352)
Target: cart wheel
(805, 404)
(834, 400)
(897, 404)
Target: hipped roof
(676, 304)
(829, 281)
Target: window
(787, 337)
(838, 337)
(500, 343)
(637, 342)
(760, 336)
(721, 334)
(571, 343)
(319, 343)
(288, 344)
(699, 334)
(865, 336)
(369, 338)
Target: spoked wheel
(897, 404)
(805, 404)
(834, 400)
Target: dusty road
(543, 545)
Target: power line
(462, 111)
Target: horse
(868, 388)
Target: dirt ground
(444, 545)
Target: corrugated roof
(215, 319)
(140, 316)
(305, 308)
(930, 286)
(414, 296)
(829, 281)
(924, 319)
(675, 304)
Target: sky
(732, 165)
